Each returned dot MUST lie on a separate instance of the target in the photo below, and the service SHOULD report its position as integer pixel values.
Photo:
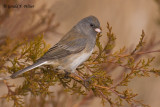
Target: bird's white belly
(79, 60)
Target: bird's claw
(66, 75)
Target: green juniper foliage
(96, 71)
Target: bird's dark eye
(91, 25)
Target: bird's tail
(35, 65)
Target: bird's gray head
(89, 26)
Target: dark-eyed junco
(72, 50)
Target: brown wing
(66, 46)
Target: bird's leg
(85, 81)
(79, 76)
(89, 79)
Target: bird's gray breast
(91, 42)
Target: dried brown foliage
(97, 72)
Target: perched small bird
(72, 50)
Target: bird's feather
(37, 64)
(68, 45)
(79, 40)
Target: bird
(75, 47)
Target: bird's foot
(66, 75)
(86, 82)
